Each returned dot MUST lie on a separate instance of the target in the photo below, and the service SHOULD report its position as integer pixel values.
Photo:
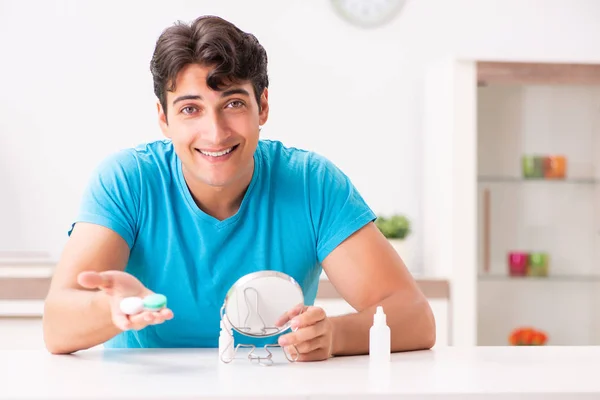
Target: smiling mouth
(218, 153)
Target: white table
(498, 373)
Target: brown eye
(188, 110)
(236, 104)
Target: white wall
(76, 86)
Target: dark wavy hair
(210, 41)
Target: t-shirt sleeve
(111, 198)
(337, 209)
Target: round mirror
(257, 305)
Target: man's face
(215, 133)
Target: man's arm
(367, 272)
(75, 318)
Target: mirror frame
(248, 278)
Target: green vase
(538, 264)
(533, 166)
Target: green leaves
(394, 227)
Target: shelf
(551, 278)
(514, 179)
(529, 73)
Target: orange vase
(555, 167)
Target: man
(188, 215)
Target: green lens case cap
(155, 301)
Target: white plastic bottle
(379, 338)
(226, 345)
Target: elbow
(52, 338)
(53, 343)
(423, 334)
(429, 327)
(415, 325)
(415, 329)
(56, 349)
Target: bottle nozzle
(379, 317)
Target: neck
(220, 202)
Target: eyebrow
(235, 91)
(224, 94)
(187, 97)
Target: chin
(216, 181)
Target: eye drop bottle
(379, 338)
(226, 344)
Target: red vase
(517, 263)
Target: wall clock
(368, 13)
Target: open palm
(119, 285)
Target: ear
(263, 115)
(162, 120)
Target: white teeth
(216, 154)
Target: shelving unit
(480, 118)
(540, 114)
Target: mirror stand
(264, 361)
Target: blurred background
(470, 126)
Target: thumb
(113, 282)
(94, 280)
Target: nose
(214, 130)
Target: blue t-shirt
(298, 207)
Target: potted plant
(397, 228)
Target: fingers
(146, 318)
(142, 320)
(320, 353)
(302, 335)
(288, 315)
(312, 339)
(282, 320)
(311, 345)
(309, 325)
(118, 284)
(311, 316)
(137, 321)
(166, 313)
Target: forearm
(76, 320)
(411, 323)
